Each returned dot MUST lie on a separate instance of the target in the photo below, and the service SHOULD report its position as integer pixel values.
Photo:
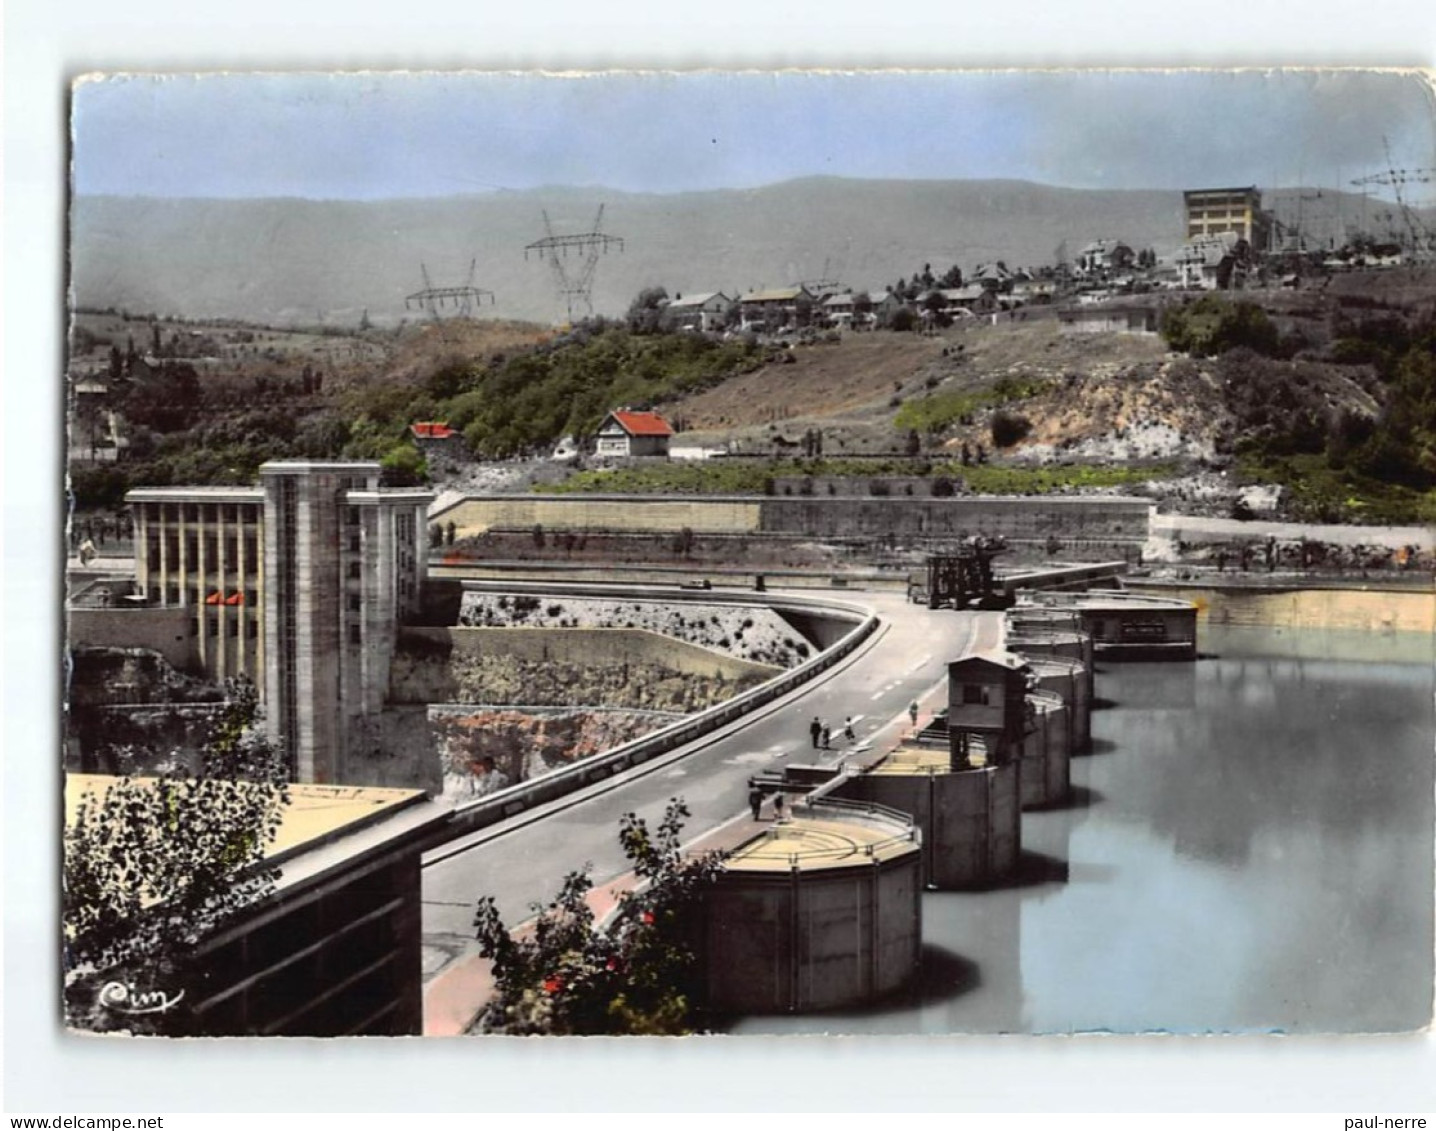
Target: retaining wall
(1110, 518)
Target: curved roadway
(522, 861)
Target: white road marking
(755, 758)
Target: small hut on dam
(1005, 746)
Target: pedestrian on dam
(815, 728)
(755, 801)
(912, 714)
(778, 807)
(827, 738)
(848, 729)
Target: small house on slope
(628, 433)
(703, 313)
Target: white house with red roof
(625, 432)
(436, 439)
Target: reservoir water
(1249, 849)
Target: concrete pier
(969, 818)
(1046, 765)
(821, 910)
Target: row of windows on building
(208, 514)
(170, 595)
(157, 550)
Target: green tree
(1009, 428)
(645, 312)
(1212, 326)
(902, 319)
(153, 866)
(564, 976)
(403, 465)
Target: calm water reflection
(1250, 849)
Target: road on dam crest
(523, 860)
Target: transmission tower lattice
(825, 285)
(1418, 238)
(435, 299)
(574, 277)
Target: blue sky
(367, 136)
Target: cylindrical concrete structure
(1042, 618)
(1071, 681)
(970, 819)
(791, 933)
(1052, 642)
(1045, 766)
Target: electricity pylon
(434, 299)
(1418, 238)
(574, 278)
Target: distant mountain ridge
(292, 261)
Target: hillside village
(1238, 362)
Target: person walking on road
(778, 807)
(848, 729)
(827, 738)
(912, 714)
(815, 728)
(755, 802)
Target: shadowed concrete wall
(1046, 754)
(970, 820)
(166, 631)
(1118, 519)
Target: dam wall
(1365, 609)
(1110, 519)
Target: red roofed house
(436, 439)
(628, 433)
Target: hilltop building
(1216, 262)
(1212, 212)
(436, 440)
(770, 310)
(628, 433)
(1101, 257)
(300, 584)
(703, 313)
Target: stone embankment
(484, 750)
(503, 667)
(523, 685)
(758, 635)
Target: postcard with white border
(757, 553)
